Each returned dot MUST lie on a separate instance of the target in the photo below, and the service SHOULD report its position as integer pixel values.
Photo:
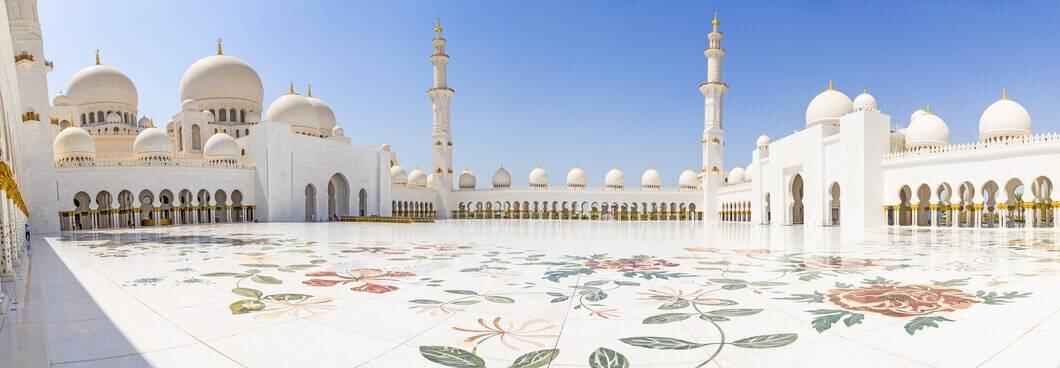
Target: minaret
(34, 162)
(713, 141)
(441, 137)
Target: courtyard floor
(535, 294)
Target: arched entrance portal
(833, 204)
(338, 197)
(797, 209)
(310, 203)
(362, 202)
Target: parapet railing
(117, 159)
(1039, 139)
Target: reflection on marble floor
(535, 294)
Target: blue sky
(597, 84)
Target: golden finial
(309, 91)
(1004, 94)
(97, 56)
(219, 51)
(715, 22)
(830, 84)
(438, 26)
(928, 109)
(290, 89)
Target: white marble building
(90, 158)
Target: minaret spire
(441, 135)
(713, 91)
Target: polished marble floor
(535, 294)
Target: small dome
(146, 122)
(828, 107)
(430, 181)
(467, 179)
(398, 175)
(735, 176)
(1004, 119)
(73, 143)
(221, 77)
(101, 84)
(615, 179)
(208, 116)
(337, 131)
(221, 147)
(748, 174)
(927, 130)
(688, 180)
(502, 178)
(113, 118)
(385, 147)
(417, 179)
(576, 178)
(295, 110)
(865, 102)
(763, 141)
(538, 178)
(61, 100)
(651, 179)
(152, 144)
(325, 116)
(189, 105)
(916, 114)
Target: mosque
(89, 159)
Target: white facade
(90, 159)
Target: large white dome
(651, 179)
(927, 130)
(325, 116)
(398, 175)
(101, 84)
(615, 179)
(467, 179)
(576, 178)
(295, 110)
(73, 143)
(865, 102)
(417, 179)
(736, 176)
(1004, 119)
(502, 178)
(152, 144)
(221, 77)
(688, 180)
(538, 178)
(221, 147)
(828, 107)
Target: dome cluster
(306, 114)
(576, 179)
(1003, 120)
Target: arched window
(180, 138)
(196, 137)
(242, 116)
(232, 114)
(99, 116)
(83, 120)
(224, 115)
